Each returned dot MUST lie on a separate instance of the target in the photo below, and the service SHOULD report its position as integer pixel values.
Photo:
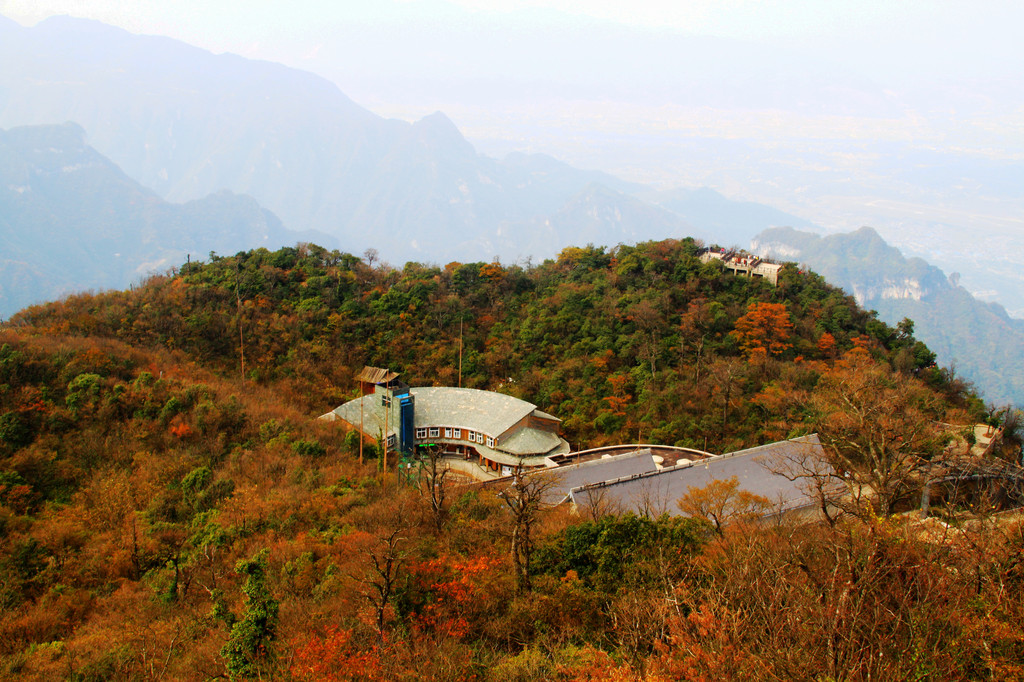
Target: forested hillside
(171, 508)
(620, 344)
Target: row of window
(451, 432)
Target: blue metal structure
(407, 429)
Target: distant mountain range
(71, 220)
(241, 142)
(188, 123)
(980, 340)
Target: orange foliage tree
(722, 500)
(337, 656)
(764, 329)
(879, 427)
(826, 345)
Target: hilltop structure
(744, 264)
(499, 432)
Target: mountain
(70, 219)
(982, 342)
(188, 123)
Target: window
(447, 432)
(480, 438)
(470, 436)
(391, 441)
(435, 432)
(421, 434)
(385, 400)
(456, 433)
(490, 442)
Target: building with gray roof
(569, 477)
(500, 432)
(771, 471)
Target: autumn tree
(619, 397)
(337, 656)
(817, 479)
(524, 498)
(434, 484)
(649, 320)
(765, 329)
(695, 326)
(387, 558)
(826, 345)
(721, 501)
(877, 428)
(726, 374)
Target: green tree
(248, 649)
(82, 390)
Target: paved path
(470, 469)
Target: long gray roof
(614, 467)
(755, 469)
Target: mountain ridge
(980, 340)
(292, 140)
(72, 220)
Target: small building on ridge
(744, 264)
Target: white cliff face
(775, 250)
(888, 289)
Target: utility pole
(387, 414)
(361, 432)
(238, 299)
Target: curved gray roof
(491, 414)
(468, 408)
(531, 441)
(371, 416)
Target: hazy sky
(482, 61)
(261, 19)
(931, 34)
(529, 74)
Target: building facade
(744, 264)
